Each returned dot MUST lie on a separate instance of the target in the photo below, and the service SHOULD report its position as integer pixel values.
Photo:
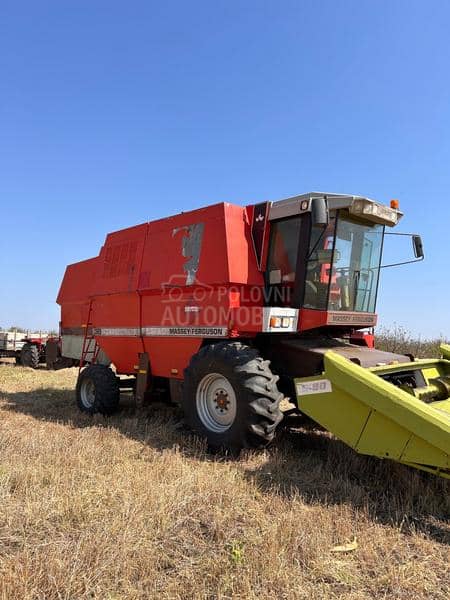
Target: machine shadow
(157, 425)
(319, 469)
(306, 464)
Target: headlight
(275, 322)
(287, 322)
(281, 322)
(280, 319)
(377, 213)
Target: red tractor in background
(232, 309)
(28, 349)
(33, 351)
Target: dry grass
(132, 507)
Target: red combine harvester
(233, 308)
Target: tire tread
(253, 375)
(107, 391)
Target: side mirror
(417, 246)
(319, 212)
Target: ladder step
(88, 350)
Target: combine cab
(232, 309)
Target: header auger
(231, 309)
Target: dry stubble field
(133, 507)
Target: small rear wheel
(29, 356)
(97, 390)
(230, 396)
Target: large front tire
(230, 397)
(97, 390)
(29, 356)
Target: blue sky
(113, 113)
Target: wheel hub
(216, 402)
(222, 401)
(87, 393)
